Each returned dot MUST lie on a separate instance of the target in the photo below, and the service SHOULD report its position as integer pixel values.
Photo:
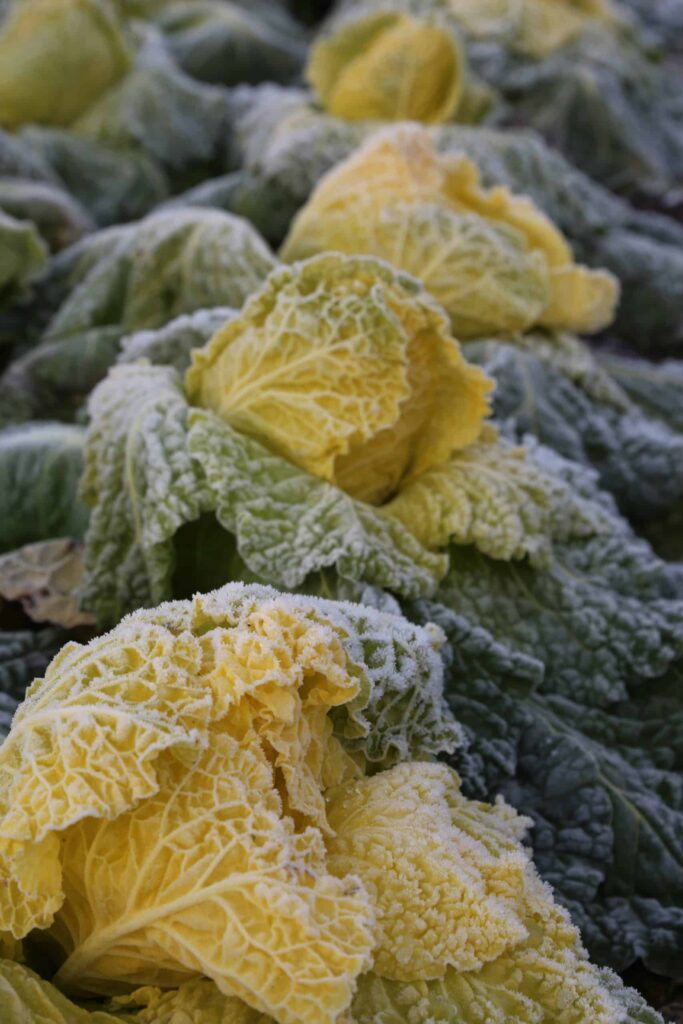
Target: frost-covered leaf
(252, 906)
(641, 248)
(472, 864)
(289, 524)
(229, 43)
(146, 477)
(516, 958)
(490, 257)
(285, 145)
(176, 121)
(141, 483)
(172, 262)
(24, 997)
(495, 497)
(134, 183)
(172, 344)
(591, 420)
(378, 61)
(602, 616)
(22, 254)
(602, 101)
(115, 713)
(57, 57)
(496, 993)
(602, 784)
(46, 578)
(59, 219)
(401, 714)
(535, 28)
(655, 387)
(199, 749)
(40, 468)
(347, 368)
(121, 280)
(53, 378)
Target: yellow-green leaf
(492, 495)
(493, 260)
(56, 57)
(389, 66)
(348, 369)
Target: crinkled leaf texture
(574, 406)
(644, 250)
(498, 499)
(533, 27)
(172, 344)
(191, 791)
(40, 467)
(24, 654)
(153, 464)
(284, 144)
(127, 279)
(57, 57)
(568, 682)
(602, 101)
(200, 1002)
(141, 483)
(515, 956)
(655, 387)
(491, 258)
(604, 614)
(171, 262)
(497, 994)
(348, 369)
(289, 524)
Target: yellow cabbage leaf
(207, 877)
(347, 368)
(25, 998)
(85, 742)
(444, 895)
(197, 1002)
(389, 66)
(492, 496)
(56, 57)
(466, 930)
(493, 260)
(170, 774)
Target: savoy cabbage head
(245, 761)
(285, 145)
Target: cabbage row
(341, 511)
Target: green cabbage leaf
(40, 468)
(120, 280)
